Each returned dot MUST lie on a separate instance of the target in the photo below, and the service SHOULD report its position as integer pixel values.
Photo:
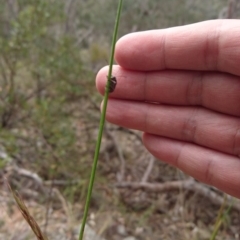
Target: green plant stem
(101, 125)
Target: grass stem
(101, 125)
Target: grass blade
(28, 217)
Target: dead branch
(57, 182)
(187, 185)
(26, 173)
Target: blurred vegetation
(50, 51)
(42, 78)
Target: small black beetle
(113, 84)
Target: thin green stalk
(101, 125)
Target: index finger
(209, 46)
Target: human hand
(181, 87)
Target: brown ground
(166, 205)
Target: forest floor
(136, 197)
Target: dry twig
(187, 185)
(148, 170)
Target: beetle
(112, 84)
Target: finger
(216, 91)
(211, 45)
(208, 166)
(197, 125)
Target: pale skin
(181, 87)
